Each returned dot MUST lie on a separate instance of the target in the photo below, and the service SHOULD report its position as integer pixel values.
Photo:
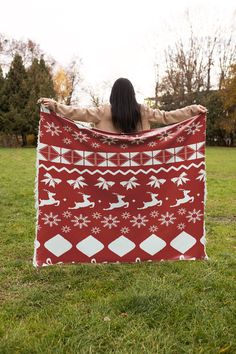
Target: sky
(114, 39)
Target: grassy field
(162, 307)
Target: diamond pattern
(183, 242)
(152, 244)
(121, 246)
(90, 246)
(58, 245)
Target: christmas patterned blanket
(104, 197)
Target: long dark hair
(125, 109)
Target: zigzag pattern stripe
(122, 172)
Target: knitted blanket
(104, 197)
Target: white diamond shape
(58, 245)
(203, 240)
(90, 246)
(36, 244)
(152, 244)
(121, 246)
(183, 242)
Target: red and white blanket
(103, 197)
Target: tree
(14, 99)
(62, 85)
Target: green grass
(162, 307)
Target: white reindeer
(84, 203)
(152, 202)
(119, 204)
(183, 200)
(50, 200)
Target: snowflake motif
(52, 128)
(167, 218)
(123, 146)
(80, 136)
(194, 215)
(39, 212)
(65, 229)
(41, 134)
(154, 213)
(66, 141)
(166, 135)
(67, 128)
(138, 141)
(180, 126)
(108, 140)
(67, 214)
(39, 227)
(124, 230)
(181, 226)
(95, 145)
(51, 219)
(110, 221)
(97, 215)
(181, 211)
(139, 220)
(80, 221)
(125, 215)
(153, 228)
(180, 139)
(96, 230)
(193, 128)
(152, 143)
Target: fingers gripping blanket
(104, 197)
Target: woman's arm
(177, 115)
(91, 114)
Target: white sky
(116, 38)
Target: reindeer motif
(152, 202)
(119, 204)
(85, 203)
(50, 200)
(183, 200)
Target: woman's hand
(202, 109)
(47, 102)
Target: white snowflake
(139, 220)
(123, 146)
(194, 215)
(67, 214)
(125, 215)
(181, 226)
(39, 227)
(179, 126)
(65, 229)
(152, 143)
(97, 215)
(51, 219)
(180, 139)
(77, 183)
(96, 230)
(181, 211)
(95, 145)
(202, 175)
(108, 140)
(66, 141)
(41, 134)
(67, 128)
(166, 135)
(138, 141)
(80, 221)
(153, 228)
(154, 213)
(167, 218)
(110, 221)
(51, 181)
(52, 128)
(80, 136)
(193, 128)
(124, 230)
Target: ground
(163, 307)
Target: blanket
(104, 197)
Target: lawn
(162, 307)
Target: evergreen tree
(40, 84)
(14, 99)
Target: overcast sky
(114, 38)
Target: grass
(162, 307)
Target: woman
(124, 114)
